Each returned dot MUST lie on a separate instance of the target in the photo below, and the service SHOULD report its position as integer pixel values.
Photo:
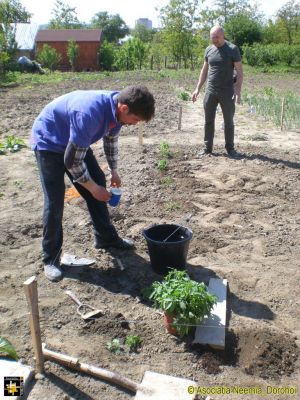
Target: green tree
(106, 56)
(143, 33)
(289, 16)
(11, 13)
(65, 17)
(140, 51)
(49, 57)
(178, 19)
(113, 27)
(125, 57)
(73, 53)
(272, 32)
(224, 10)
(242, 29)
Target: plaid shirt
(79, 170)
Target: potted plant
(184, 301)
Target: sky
(129, 10)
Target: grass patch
(167, 180)
(172, 206)
(258, 137)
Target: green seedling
(133, 342)
(12, 144)
(114, 346)
(2, 148)
(6, 348)
(164, 150)
(186, 300)
(167, 180)
(19, 184)
(162, 165)
(172, 206)
(2, 194)
(184, 96)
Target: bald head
(217, 36)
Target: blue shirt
(82, 117)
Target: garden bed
(245, 223)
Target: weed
(133, 342)
(164, 150)
(172, 206)
(167, 180)
(12, 144)
(184, 96)
(162, 165)
(2, 194)
(114, 346)
(257, 137)
(19, 184)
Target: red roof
(63, 35)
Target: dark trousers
(210, 103)
(52, 171)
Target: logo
(13, 386)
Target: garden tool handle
(73, 297)
(172, 233)
(187, 219)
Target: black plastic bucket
(171, 253)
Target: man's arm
(239, 81)
(74, 162)
(111, 150)
(201, 81)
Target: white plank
(11, 368)
(156, 386)
(212, 330)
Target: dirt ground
(245, 223)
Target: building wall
(144, 21)
(87, 59)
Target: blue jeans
(52, 171)
(210, 102)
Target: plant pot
(168, 320)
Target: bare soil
(245, 227)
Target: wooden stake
(30, 287)
(74, 363)
(180, 118)
(141, 133)
(282, 114)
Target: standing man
(61, 139)
(221, 59)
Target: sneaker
(53, 272)
(232, 153)
(204, 152)
(121, 244)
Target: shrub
(73, 53)
(49, 57)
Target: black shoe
(232, 153)
(121, 244)
(204, 152)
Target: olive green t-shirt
(221, 65)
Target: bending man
(61, 139)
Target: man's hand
(97, 191)
(237, 95)
(195, 95)
(115, 179)
(100, 193)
